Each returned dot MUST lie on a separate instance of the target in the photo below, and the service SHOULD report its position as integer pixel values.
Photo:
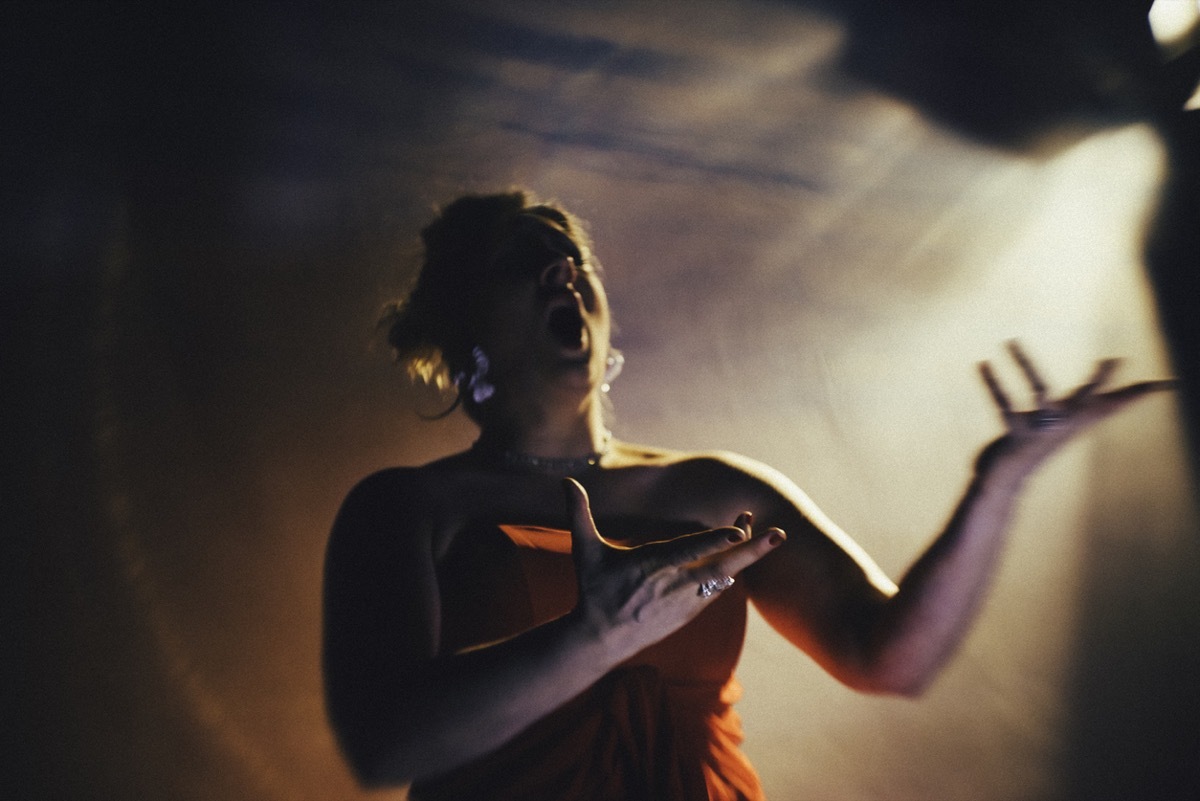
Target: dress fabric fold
(660, 727)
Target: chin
(581, 375)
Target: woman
(557, 614)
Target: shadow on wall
(1025, 75)
(1018, 75)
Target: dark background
(815, 217)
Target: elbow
(376, 741)
(376, 761)
(895, 666)
(367, 774)
(368, 768)
(883, 683)
(904, 686)
(890, 675)
(365, 765)
(375, 770)
(900, 675)
(372, 776)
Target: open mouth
(566, 327)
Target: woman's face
(544, 315)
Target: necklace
(554, 465)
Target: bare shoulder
(716, 464)
(385, 491)
(389, 507)
(726, 481)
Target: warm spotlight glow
(1048, 251)
(1176, 27)
(1174, 22)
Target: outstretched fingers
(997, 392)
(1105, 369)
(1053, 421)
(1041, 394)
(1118, 398)
(1031, 373)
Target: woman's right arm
(403, 711)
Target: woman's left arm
(823, 593)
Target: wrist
(592, 636)
(1004, 463)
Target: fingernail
(734, 536)
(777, 537)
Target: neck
(548, 465)
(541, 433)
(559, 439)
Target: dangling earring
(613, 366)
(476, 383)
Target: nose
(561, 272)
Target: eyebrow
(551, 235)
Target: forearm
(878, 637)
(465, 705)
(918, 628)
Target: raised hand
(641, 594)
(1039, 431)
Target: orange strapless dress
(659, 727)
